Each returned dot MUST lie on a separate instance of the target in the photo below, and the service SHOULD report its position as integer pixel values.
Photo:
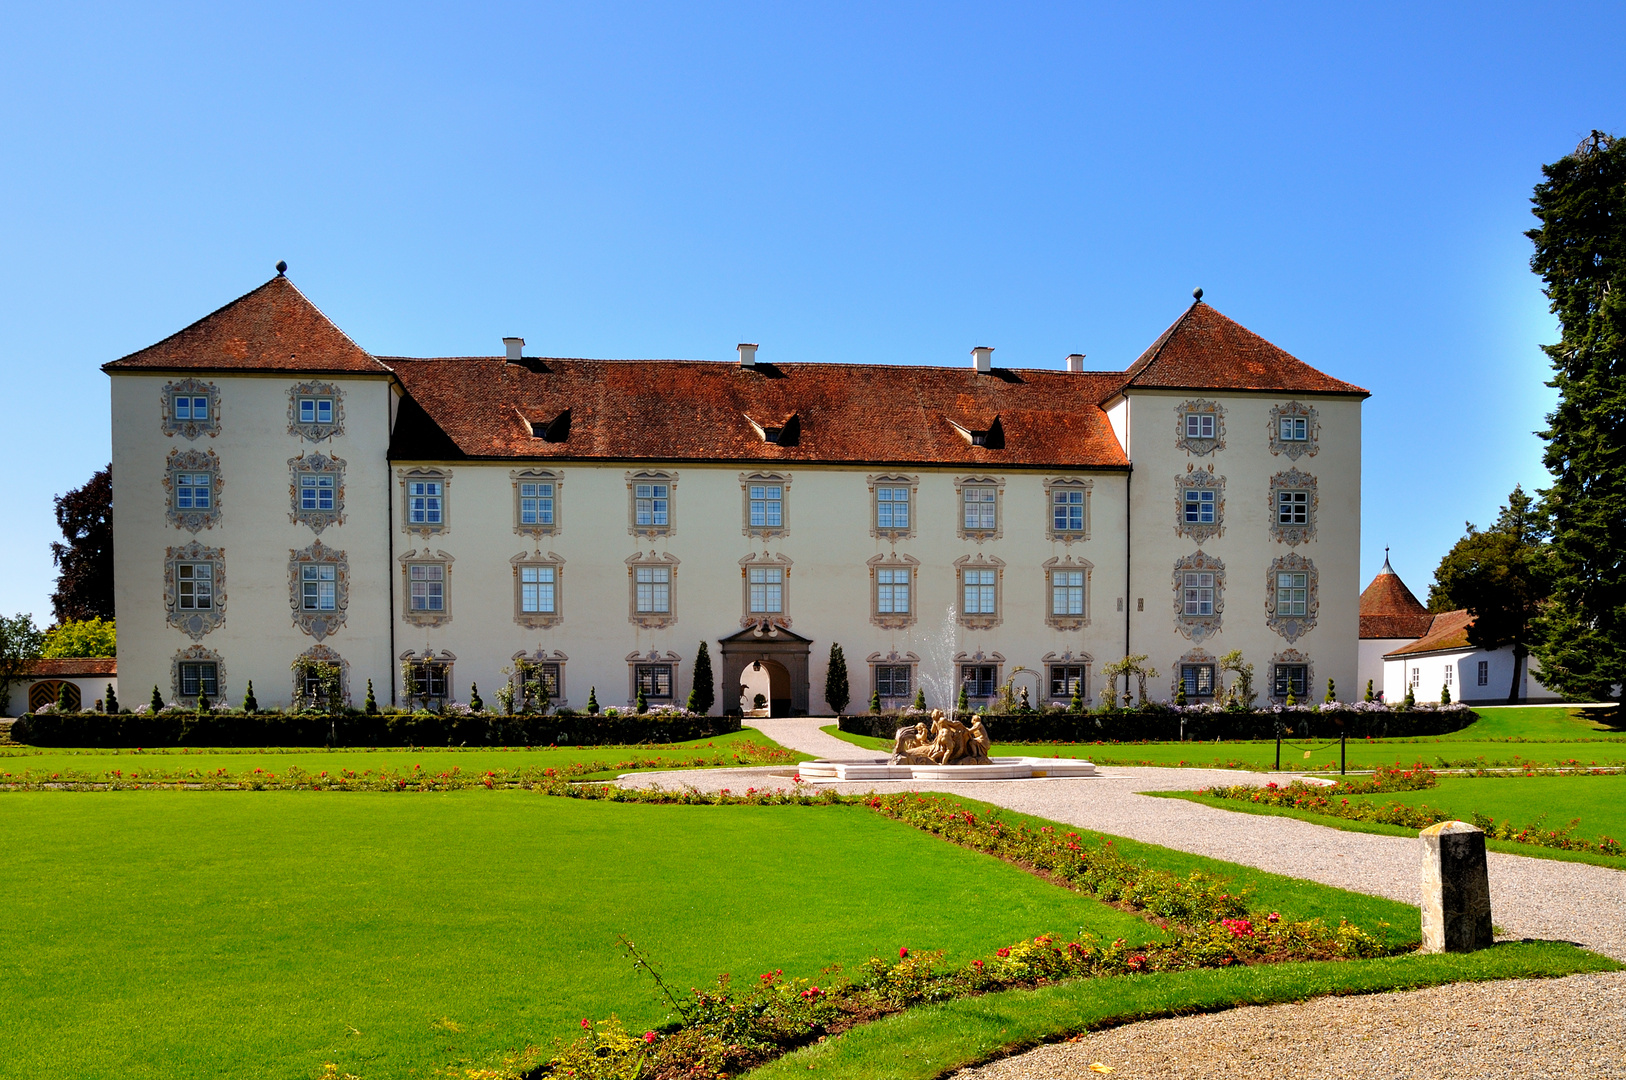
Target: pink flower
(1273, 917)
(586, 1023)
(903, 952)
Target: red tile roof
(700, 410)
(1204, 350)
(68, 669)
(1447, 630)
(273, 328)
(1389, 610)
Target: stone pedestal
(1456, 888)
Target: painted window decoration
(1295, 430)
(1067, 592)
(194, 588)
(1199, 595)
(317, 490)
(195, 671)
(319, 587)
(1291, 603)
(319, 578)
(654, 681)
(315, 411)
(1293, 505)
(309, 676)
(538, 589)
(1199, 510)
(426, 587)
(1199, 427)
(191, 408)
(192, 481)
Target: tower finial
(282, 268)
(1387, 569)
(1197, 294)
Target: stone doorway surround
(782, 653)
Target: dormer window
(991, 437)
(771, 434)
(784, 433)
(555, 430)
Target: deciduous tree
(84, 583)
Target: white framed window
(979, 591)
(427, 583)
(1416, 677)
(1484, 673)
(1292, 594)
(1294, 428)
(535, 503)
(194, 586)
(1448, 674)
(425, 502)
(536, 590)
(652, 590)
(317, 491)
(1066, 592)
(766, 590)
(190, 407)
(1067, 509)
(192, 490)
(1200, 504)
(1292, 507)
(200, 677)
(980, 505)
(315, 410)
(892, 585)
(652, 506)
(767, 506)
(1197, 593)
(319, 586)
(1200, 425)
(892, 508)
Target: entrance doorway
(774, 665)
(765, 689)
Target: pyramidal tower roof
(1388, 608)
(272, 328)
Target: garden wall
(400, 729)
(1162, 725)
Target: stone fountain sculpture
(943, 740)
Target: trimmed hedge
(398, 729)
(1163, 725)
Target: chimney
(982, 358)
(748, 354)
(514, 345)
(1075, 362)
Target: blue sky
(891, 183)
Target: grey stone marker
(1456, 888)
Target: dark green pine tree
(703, 695)
(1581, 257)
(836, 691)
(157, 702)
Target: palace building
(283, 494)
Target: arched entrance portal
(779, 659)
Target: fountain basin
(1005, 768)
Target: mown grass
(930, 1041)
(1503, 736)
(434, 759)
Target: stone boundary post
(1456, 888)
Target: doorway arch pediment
(783, 650)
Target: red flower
(1273, 917)
(903, 952)
(649, 1036)
(586, 1023)
(1002, 952)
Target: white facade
(1475, 676)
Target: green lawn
(97, 763)
(1504, 735)
(193, 934)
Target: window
(1294, 428)
(318, 586)
(1448, 671)
(316, 410)
(653, 589)
(767, 506)
(1199, 425)
(1416, 676)
(1199, 506)
(653, 505)
(978, 679)
(316, 491)
(188, 407)
(1484, 673)
(1291, 679)
(430, 679)
(892, 681)
(892, 591)
(1197, 593)
(1066, 680)
(535, 503)
(1067, 592)
(653, 680)
(979, 591)
(892, 509)
(192, 491)
(1292, 507)
(425, 502)
(199, 678)
(1198, 680)
(767, 590)
(980, 508)
(536, 589)
(1067, 509)
(194, 586)
(428, 586)
(1292, 594)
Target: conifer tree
(157, 702)
(112, 701)
(642, 705)
(836, 691)
(592, 701)
(1445, 694)
(1369, 695)
(252, 706)
(1331, 695)
(962, 705)
(703, 695)
(1581, 257)
(63, 702)
(475, 704)
(370, 706)
(875, 702)
(1076, 706)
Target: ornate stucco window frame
(539, 476)
(1199, 446)
(654, 657)
(1199, 480)
(196, 654)
(420, 616)
(425, 474)
(893, 620)
(539, 620)
(652, 531)
(319, 624)
(1066, 564)
(1196, 657)
(652, 620)
(1291, 656)
(1068, 659)
(312, 430)
(189, 428)
(1198, 628)
(893, 480)
(1293, 480)
(980, 482)
(314, 464)
(980, 620)
(1067, 484)
(754, 479)
(981, 659)
(1292, 627)
(560, 698)
(893, 659)
(765, 620)
(192, 461)
(320, 654)
(193, 622)
(1295, 448)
